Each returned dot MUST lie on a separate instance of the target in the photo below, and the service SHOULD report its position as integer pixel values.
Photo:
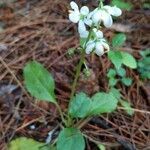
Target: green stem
(82, 122)
(80, 65)
(77, 74)
(73, 89)
(61, 113)
(101, 4)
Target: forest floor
(40, 30)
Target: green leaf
(145, 75)
(121, 72)
(122, 5)
(145, 61)
(129, 60)
(70, 139)
(116, 58)
(116, 93)
(103, 103)
(24, 143)
(101, 147)
(79, 106)
(126, 81)
(118, 40)
(82, 42)
(111, 73)
(112, 82)
(145, 53)
(39, 82)
(127, 107)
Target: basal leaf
(116, 58)
(129, 60)
(24, 143)
(118, 40)
(70, 139)
(79, 106)
(39, 82)
(103, 103)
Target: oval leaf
(129, 60)
(111, 73)
(70, 139)
(126, 81)
(39, 82)
(24, 143)
(112, 82)
(118, 40)
(116, 58)
(121, 72)
(103, 103)
(79, 106)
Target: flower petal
(106, 46)
(81, 26)
(82, 29)
(99, 49)
(89, 16)
(96, 17)
(98, 33)
(114, 11)
(88, 22)
(74, 6)
(84, 10)
(74, 17)
(107, 19)
(89, 47)
(84, 34)
(108, 8)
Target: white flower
(98, 44)
(82, 30)
(98, 33)
(104, 15)
(79, 16)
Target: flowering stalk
(69, 122)
(79, 66)
(95, 42)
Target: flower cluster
(87, 20)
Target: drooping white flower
(105, 15)
(98, 33)
(98, 47)
(98, 44)
(79, 16)
(74, 15)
